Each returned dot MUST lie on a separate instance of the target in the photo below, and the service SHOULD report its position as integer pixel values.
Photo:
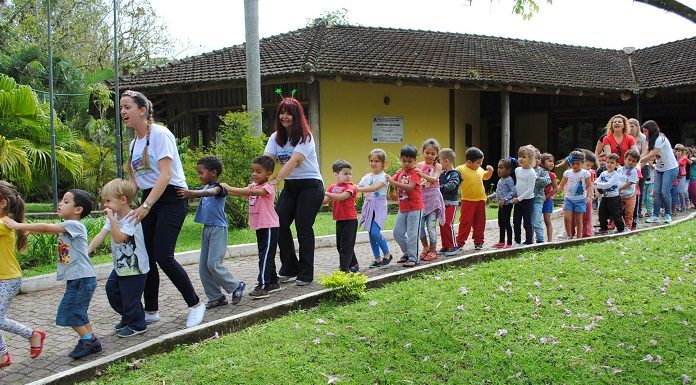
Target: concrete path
(37, 309)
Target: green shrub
(346, 286)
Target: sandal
(8, 361)
(35, 351)
(410, 264)
(402, 259)
(431, 255)
(222, 301)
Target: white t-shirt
(130, 256)
(665, 159)
(524, 185)
(371, 179)
(609, 182)
(309, 168)
(575, 188)
(162, 145)
(628, 175)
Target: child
(74, 266)
(126, 283)
(342, 195)
(504, 193)
(683, 189)
(601, 167)
(610, 205)
(648, 193)
(408, 192)
(473, 195)
(374, 210)
(542, 180)
(577, 184)
(11, 204)
(692, 176)
(263, 219)
(525, 177)
(450, 179)
(433, 204)
(627, 189)
(547, 161)
(588, 165)
(215, 277)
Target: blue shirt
(211, 210)
(505, 190)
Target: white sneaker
(151, 318)
(668, 218)
(195, 315)
(653, 219)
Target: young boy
(473, 198)
(215, 277)
(74, 266)
(627, 189)
(407, 182)
(450, 179)
(610, 203)
(342, 195)
(264, 220)
(577, 184)
(126, 283)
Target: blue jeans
(124, 294)
(536, 220)
(72, 310)
(377, 241)
(662, 186)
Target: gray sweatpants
(214, 275)
(406, 233)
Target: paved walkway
(38, 310)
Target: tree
(98, 154)
(329, 18)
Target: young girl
(434, 206)
(542, 181)
(504, 193)
(374, 210)
(577, 185)
(525, 177)
(547, 162)
(683, 188)
(11, 204)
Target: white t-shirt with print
(162, 145)
(665, 159)
(309, 168)
(628, 175)
(575, 188)
(130, 256)
(371, 179)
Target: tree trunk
(672, 6)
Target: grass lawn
(190, 237)
(620, 311)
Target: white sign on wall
(388, 129)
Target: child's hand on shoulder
(9, 222)
(224, 185)
(390, 179)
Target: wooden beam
(313, 112)
(504, 123)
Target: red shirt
(549, 187)
(409, 200)
(619, 148)
(345, 209)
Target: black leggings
(161, 228)
(504, 212)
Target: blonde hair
(141, 101)
(447, 153)
(118, 188)
(528, 151)
(381, 155)
(610, 129)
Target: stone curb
(48, 281)
(240, 321)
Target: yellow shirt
(472, 188)
(9, 267)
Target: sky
(213, 24)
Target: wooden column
(504, 123)
(313, 112)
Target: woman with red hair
(293, 145)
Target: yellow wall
(531, 129)
(467, 110)
(346, 111)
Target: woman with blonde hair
(618, 140)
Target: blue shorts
(575, 206)
(72, 310)
(547, 208)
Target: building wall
(531, 128)
(346, 111)
(467, 111)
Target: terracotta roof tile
(667, 65)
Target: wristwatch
(146, 206)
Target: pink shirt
(262, 214)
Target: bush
(346, 286)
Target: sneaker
(563, 236)
(442, 251)
(274, 287)
(653, 219)
(195, 315)
(478, 246)
(86, 347)
(668, 218)
(354, 269)
(130, 332)
(259, 293)
(452, 252)
(375, 264)
(302, 283)
(499, 245)
(151, 318)
(385, 261)
(222, 301)
(286, 278)
(121, 325)
(238, 293)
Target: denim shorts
(547, 208)
(575, 206)
(72, 310)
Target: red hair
(300, 131)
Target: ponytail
(15, 207)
